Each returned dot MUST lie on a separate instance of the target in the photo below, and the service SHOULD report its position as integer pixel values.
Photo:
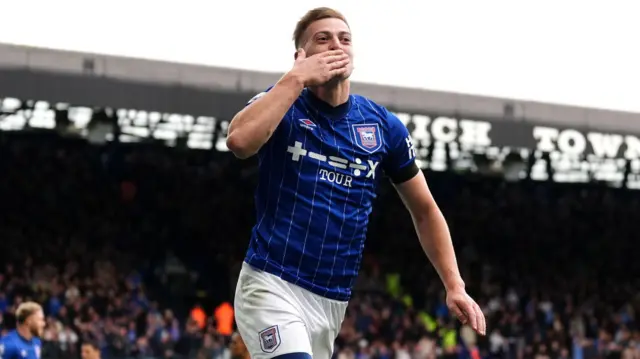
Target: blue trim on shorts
(299, 355)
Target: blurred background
(125, 215)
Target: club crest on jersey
(367, 137)
(270, 339)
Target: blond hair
(312, 16)
(25, 310)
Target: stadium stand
(136, 246)
(90, 232)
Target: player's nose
(335, 44)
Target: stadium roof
(213, 78)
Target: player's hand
(467, 310)
(320, 68)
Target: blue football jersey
(318, 176)
(14, 346)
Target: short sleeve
(278, 134)
(257, 96)
(5, 350)
(400, 162)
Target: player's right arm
(252, 127)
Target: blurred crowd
(120, 242)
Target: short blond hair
(312, 16)
(25, 310)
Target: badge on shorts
(270, 339)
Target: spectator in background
(199, 316)
(224, 318)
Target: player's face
(37, 324)
(326, 35)
(89, 352)
(236, 347)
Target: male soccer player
(322, 152)
(90, 350)
(24, 341)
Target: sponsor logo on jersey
(411, 147)
(354, 168)
(270, 339)
(367, 136)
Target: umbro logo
(307, 123)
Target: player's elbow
(239, 146)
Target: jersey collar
(324, 108)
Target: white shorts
(275, 317)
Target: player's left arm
(429, 222)
(431, 226)
(432, 229)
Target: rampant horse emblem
(270, 339)
(367, 137)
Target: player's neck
(24, 332)
(335, 94)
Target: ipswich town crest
(367, 137)
(270, 339)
